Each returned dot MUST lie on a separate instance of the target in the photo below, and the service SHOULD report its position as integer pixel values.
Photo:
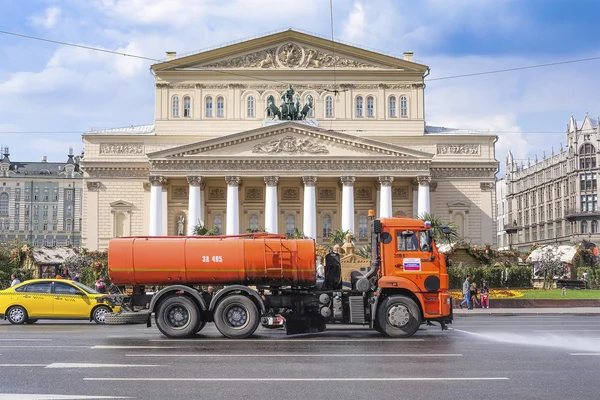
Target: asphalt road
(549, 357)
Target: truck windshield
(412, 241)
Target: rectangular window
(55, 211)
(69, 211)
(16, 225)
(69, 194)
(17, 194)
(45, 211)
(17, 210)
(36, 211)
(55, 195)
(329, 107)
(68, 226)
(45, 226)
(54, 226)
(220, 107)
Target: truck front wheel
(178, 317)
(398, 316)
(236, 317)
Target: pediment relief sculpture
(289, 55)
(290, 145)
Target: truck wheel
(199, 328)
(398, 316)
(236, 317)
(178, 317)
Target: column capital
(309, 180)
(386, 180)
(271, 180)
(157, 180)
(347, 180)
(486, 186)
(233, 180)
(194, 180)
(93, 186)
(423, 180)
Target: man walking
(467, 293)
(14, 280)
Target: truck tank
(269, 260)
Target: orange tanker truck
(270, 280)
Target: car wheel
(31, 321)
(16, 315)
(99, 313)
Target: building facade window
(69, 194)
(359, 106)
(69, 211)
(403, 106)
(363, 227)
(253, 223)
(45, 211)
(584, 227)
(4, 199)
(175, 106)
(220, 107)
(587, 156)
(290, 224)
(327, 225)
(251, 107)
(392, 106)
(594, 226)
(218, 223)
(588, 181)
(187, 106)
(209, 107)
(328, 107)
(17, 194)
(589, 202)
(370, 107)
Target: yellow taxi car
(51, 299)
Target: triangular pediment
(289, 49)
(291, 140)
(121, 204)
(458, 204)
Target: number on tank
(212, 258)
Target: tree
(201, 230)
(298, 234)
(364, 251)
(436, 227)
(338, 237)
(550, 264)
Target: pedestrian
(100, 285)
(466, 293)
(14, 280)
(320, 268)
(76, 278)
(473, 292)
(211, 291)
(485, 296)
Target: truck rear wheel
(178, 317)
(399, 317)
(236, 317)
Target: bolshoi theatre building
(286, 132)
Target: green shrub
(494, 277)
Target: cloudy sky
(50, 94)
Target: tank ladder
(283, 255)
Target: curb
(524, 314)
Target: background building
(555, 199)
(216, 156)
(40, 202)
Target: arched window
(119, 225)
(328, 107)
(175, 106)
(209, 107)
(587, 156)
(311, 112)
(363, 227)
(251, 106)
(253, 225)
(326, 225)
(403, 106)
(359, 106)
(220, 107)
(370, 106)
(290, 224)
(187, 106)
(584, 227)
(4, 203)
(218, 223)
(594, 226)
(392, 106)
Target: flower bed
(494, 294)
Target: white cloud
(48, 19)
(355, 26)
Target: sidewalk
(503, 312)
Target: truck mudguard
(236, 288)
(176, 288)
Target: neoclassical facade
(218, 156)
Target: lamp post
(511, 230)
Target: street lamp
(510, 230)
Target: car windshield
(84, 287)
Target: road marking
(84, 365)
(133, 347)
(315, 355)
(25, 340)
(22, 365)
(283, 340)
(568, 330)
(15, 396)
(45, 347)
(417, 379)
(584, 354)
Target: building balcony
(573, 214)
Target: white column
(385, 196)
(348, 203)
(423, 198)
(233, 205)
(156, 205)
(165, 209)
(415, 199)
(309, 223)
(271, 222)
(193, 203)
(202, 201)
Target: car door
(37, 299)
(70, 301)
